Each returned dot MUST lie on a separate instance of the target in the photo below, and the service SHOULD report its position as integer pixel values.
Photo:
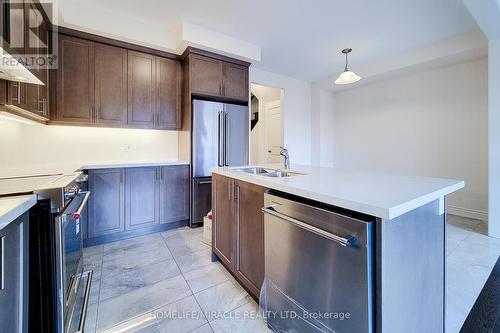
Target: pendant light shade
(347, 76)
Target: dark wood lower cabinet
(127, 202)
(106, 204)
(238, 230)
(250, 235)
(141, 197)
(174, 193)
(223, 240)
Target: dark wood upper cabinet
(141, 90)
(169, 81)
(235, 81)
(206, 76)
(110, 84)
(18, 16)
(75, 80)
(38, 41)
(174, 193)
(218, 78)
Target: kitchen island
(394, 275)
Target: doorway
(266, 124)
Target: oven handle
(344, 241)
(83, 316)
(76, 215)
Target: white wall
(432, 123)
(255, 145)
(22, 144)
(296, 110)
(494, 138)
(264, 95)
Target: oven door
(69, 264)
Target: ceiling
(299, 38)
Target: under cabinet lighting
(8, 116)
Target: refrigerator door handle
(219, 135)
(226, 136)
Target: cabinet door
(223, 219)
(141, 197)
(75, 80)
(17, 47)
(141, 90)
(168, 77)
(174, 193)
(106, 204)
(235, 81)
(38, 41)
(11, 274)
(206, 77)
(110, 84)
(250, 235)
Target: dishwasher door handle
(344, 241)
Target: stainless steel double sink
(267, 172)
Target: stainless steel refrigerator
(220, 136)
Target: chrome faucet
(284, 153)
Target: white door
(273, 132)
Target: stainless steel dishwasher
(318, 267)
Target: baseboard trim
(467, 212)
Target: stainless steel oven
(73, 285)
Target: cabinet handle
(2, 264)
(237, 194)
(161, 173)
(18, 88)
(45, 109)
(229, 190)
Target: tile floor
(167, 283)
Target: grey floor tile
(244, 319)
(121, 308)
(184, 232)
(205, 277)
(203, 329)
(134, 261)
(135, 248)
(121, 282)
(97, 249)
(178, 317)
(91, 319)
(131, 241)
(91, 260)
(222, 298)
(182, 248)
(94, 291)
(195, 260)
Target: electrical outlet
(126, 148)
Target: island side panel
(410, 271)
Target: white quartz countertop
(44, 169)
(28, 179)
(377, 194)
(13, 207)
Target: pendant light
(347, 76)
